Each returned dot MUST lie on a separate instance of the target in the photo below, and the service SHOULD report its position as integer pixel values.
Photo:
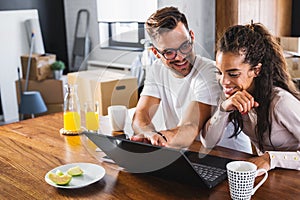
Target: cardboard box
(52, 108)
(294, 66)
(108, 87)
(51, 90)
(291, 44)
(39, 67)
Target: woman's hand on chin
(241, 101)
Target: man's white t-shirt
(176, 93)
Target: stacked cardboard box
(41, 79)
(291, 44)
(291, 47)
(294, 66)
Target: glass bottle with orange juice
(72, 120)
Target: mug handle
(262, 181)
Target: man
(182, 82)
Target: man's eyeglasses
(170, 54)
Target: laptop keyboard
(208, 173)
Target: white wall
(104, 55)
(71, 9)
(201, 19)
(14, 43)
(200, 14)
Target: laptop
(180, 165)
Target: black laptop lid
(136, 157)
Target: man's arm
(179, 137)
(143, 128)
(189, 127)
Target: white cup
(241, 176)
(117, 116)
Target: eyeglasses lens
(185, 48)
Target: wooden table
(30, 148)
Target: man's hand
(151, 137)
(141, 123)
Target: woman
(259, 97)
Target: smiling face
(177, 38)
(233, 74)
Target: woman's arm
(214, 128)
(289, 160)
(286, 111)
(282, 159)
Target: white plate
(91, 174)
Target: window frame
(114, 44)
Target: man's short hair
(164, 20)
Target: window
(121, 22)
(122, 35)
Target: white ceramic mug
(241, 176)
(117, 116)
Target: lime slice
(75, 171)
(59, 173)
(60, 179)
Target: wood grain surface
(30, 148)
